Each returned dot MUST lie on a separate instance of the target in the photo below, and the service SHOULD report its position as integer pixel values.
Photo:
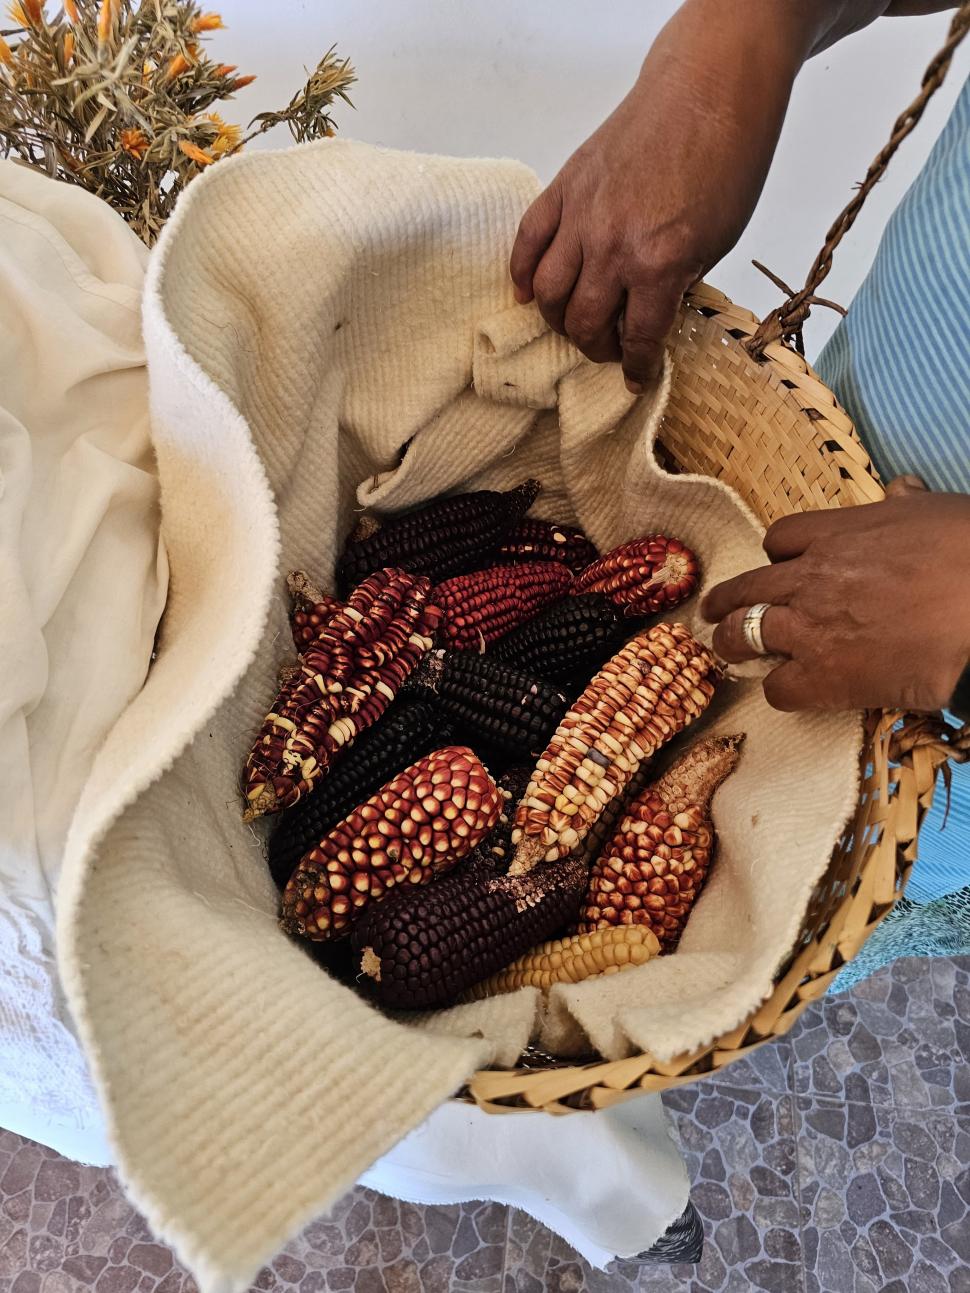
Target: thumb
(904, 485)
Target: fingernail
(635, 388)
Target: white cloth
(609, 1183)
(82, 586)
(74, 449)
(306, 315)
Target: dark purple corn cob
(422, 948)
(490, 703)
(410, 729)
(495, 853)
(445, 537)
(535, 540)
(569, 642)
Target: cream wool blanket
(308, 314)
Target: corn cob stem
(656, 863)
(420, 824)
(346, 680)
(482, 606)
(650, 690)
(571, 960)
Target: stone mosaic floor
(835, 1162)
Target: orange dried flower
(195, 153)
(68, 46)
(227, 138)
(70, 8)
(135, 142)
(106, 16)
(176, 67)
(6, 53)
(240, 81)
(207, 22)
(225, 69)
(27, 13)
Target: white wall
(532, 78)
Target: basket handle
(786, 322)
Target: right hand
(665, 186)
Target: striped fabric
(900, 364)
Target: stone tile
(893, 1208)
(899, 1039)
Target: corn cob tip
(370, 964)
(367, 525)
(701, 769)
(303, 590)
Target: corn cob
(650, 690)
(344, 682)
(481, 607)
(495, 852)
(423, 948)
(658, 860)
(648, 575)
(488, 702)
(535, 540)
(410, 729)
(420, 824)
(441, 539)
(569, 642)
(311, 610)
(571, 960)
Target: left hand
(870, 605)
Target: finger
(536, 231)
(592, 314)
(648, 318)
(904, 485)
(555, 278)
(779, 632)
(791, 535)
(772, 584)
(790, 688)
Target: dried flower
(135, 142)
(195, 153)
(94, 86)
(27, 13)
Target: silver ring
(751, 628)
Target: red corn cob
(645, 576)
(312, 610)
(535, 540)
(418, 826)
(344, 682)
(479, 608)
(657, 862)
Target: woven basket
(746, 408)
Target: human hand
(870, 604)
(662, 190)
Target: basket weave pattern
(775, 433)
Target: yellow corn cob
(570, 960)
(641, 698)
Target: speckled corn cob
(481, 607)
(420, 824)
(345, 681)
(645, 576)
(311, 609)
(443, 538)
(410, 729)
(650, 690)
(571, 960)
(657, 862)
(568, 642)
(535, 540)
(423, 948)
(511, 712)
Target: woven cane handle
(786, 322)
